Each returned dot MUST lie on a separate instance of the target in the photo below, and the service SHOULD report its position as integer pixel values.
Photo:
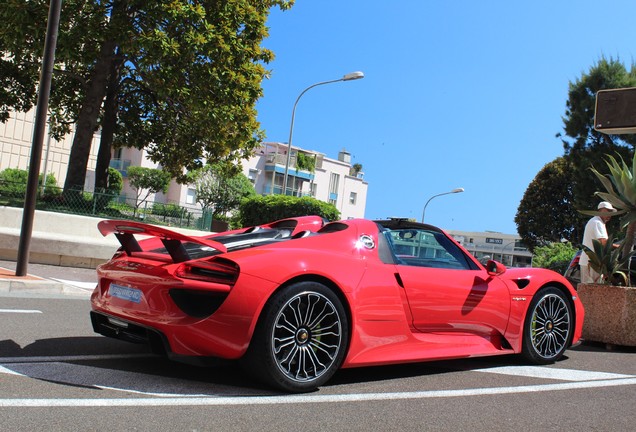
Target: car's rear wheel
(548, 327)
(301, 338)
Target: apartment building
(505, 248)
(335, 181)
(331, 180)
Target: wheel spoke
(550, 326)
(307, 336)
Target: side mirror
(495, 268)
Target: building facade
(329, 180)
(505, 248)
(334, 181)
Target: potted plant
(610, 309)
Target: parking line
(24, 311)
(552, 373)
(298, 399)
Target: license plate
(125, 293)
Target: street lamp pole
(457, 190)
(348, 77)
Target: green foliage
(579, 116)
(183, 77)
(263, 209)
(104, 196)
(569, 185)
(148, 180)
(620, 190)
(608, 261)
(220, 188)
(169, 210)
(154, 180)
(554, 256)
(582, 142)
(13, 183)
(546, 212)
(305, 162)
(115, 181)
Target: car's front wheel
(548, 327)
(301, 338)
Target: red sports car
(297, 299)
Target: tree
(586, 146)
(179, 78)
(221, 189)
(148, 180)
(546, 212)
(554, 256)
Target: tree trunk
(108, 125)
(87, 121)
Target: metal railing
(107, 205)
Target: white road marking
(297, 399)
(4, 370)
(161, 395)
(48, 359)
(24, 311)
(166, 393)
(552, 373)
(83, 285)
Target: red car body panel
(398, 313)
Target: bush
(554, 256)
(171, 210)
(13, 183)
(264, 209)
(105, 196)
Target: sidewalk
(45, 279)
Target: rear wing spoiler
(126, 230)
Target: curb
(38, 287)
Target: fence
(105, 205)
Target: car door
(446, 291)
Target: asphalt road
(57, 375)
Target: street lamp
(348, 77)
(458, 190)
(502, 251)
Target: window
(191, 196)
(424, 248)
(252, 175)
(333, 188)
(353, 197)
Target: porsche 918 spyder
(297, 299)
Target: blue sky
(456, 94)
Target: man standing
(595, 230)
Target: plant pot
(610, 313)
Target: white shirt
(594, 230)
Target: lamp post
(502, 251)
(348, 77)
(457, 190)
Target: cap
(606, 205)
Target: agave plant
(609, 262)
(620, 191)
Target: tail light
(218, 271)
